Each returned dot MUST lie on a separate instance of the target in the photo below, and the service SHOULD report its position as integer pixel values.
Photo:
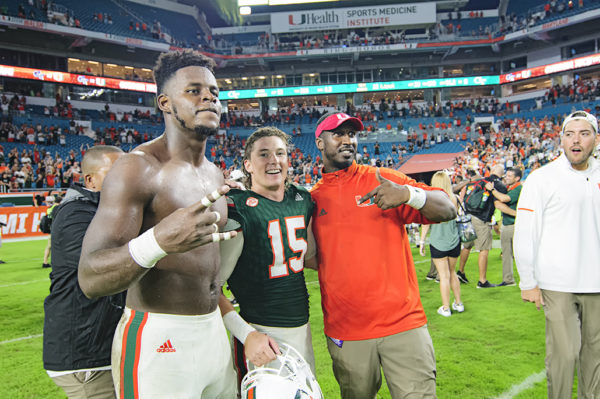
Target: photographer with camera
(481, 207)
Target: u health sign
(356, 17)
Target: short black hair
(516, 171)
(266, 131)
(169, 63)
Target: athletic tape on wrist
(145, 250)
(237, 326)
(417, 197)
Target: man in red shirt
(373, 314)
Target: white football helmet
(288, 377)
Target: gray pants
(87, 384)
(407, 359)
(572, 342)
(506, 243)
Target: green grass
(496, 343)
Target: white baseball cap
(581, 115)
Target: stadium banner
(21, 221)
(543, 70)
(361, 49)
(75, 79)
(360, 87)
(555, 24)
(357, 17)
(232, 30)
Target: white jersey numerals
(279, 266)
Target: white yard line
(528, 383)
(36, 238)
(23, 283)
(8, 341)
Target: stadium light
(245, 10)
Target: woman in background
(444, 244)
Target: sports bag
(466, 230)
(476, 196)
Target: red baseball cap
(333, 121)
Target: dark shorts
(437, 254)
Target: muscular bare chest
(180, 186)
(184, 282)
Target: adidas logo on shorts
(166, 347)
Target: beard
(586, 155)
(336, 160)
(202, 131)
(205, 132)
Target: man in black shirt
(78, 331)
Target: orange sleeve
(406, 213)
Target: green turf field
(492, 350)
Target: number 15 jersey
(268, 279)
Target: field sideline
(495, 349)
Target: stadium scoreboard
(360, 87)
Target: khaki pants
(484, 235)
(407, 359)
(506, 243)
(87, 384)
(572, 342)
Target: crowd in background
(526, 144)
(451, 26)
(38, 168)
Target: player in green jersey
(264, 264)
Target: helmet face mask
(288, 377)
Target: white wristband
(417, 198)
(145, 250)
(237, 326)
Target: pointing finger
(368, 196)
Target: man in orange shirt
(373, 314)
